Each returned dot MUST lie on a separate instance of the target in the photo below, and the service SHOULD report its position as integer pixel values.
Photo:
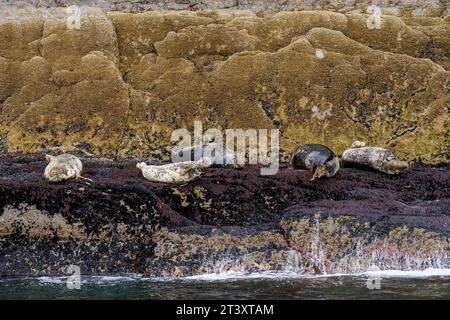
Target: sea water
(390, 284)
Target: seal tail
(87, 179)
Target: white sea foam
(90, 279)
(233, 275)
(430, 272)
(119, 278)
(52, 280)
(236, 276)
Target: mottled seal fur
(179, 172)
(377, 158)
(63, 167)
(317, 158)
(219, 154)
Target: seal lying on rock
(374, 157)
(174, 172)
(63, 167)
(317, 158)
(219, 154)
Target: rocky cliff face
(228, 220)
(123, 82)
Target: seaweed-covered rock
(227, 220)
(105, 227)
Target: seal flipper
(396, 166)
(357, 144)
(194, 172)
(79, 176)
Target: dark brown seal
(317, 158)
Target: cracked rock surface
(124, 81)
(393, 7)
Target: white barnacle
(321, 115)
(320, 54)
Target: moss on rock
(124, 82)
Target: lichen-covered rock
(416, 8)
(88, 103)
(64, 48)
(123, 82)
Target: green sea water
(259, 286)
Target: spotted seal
(317, 158)
(377, 158)
(63, 167)
(219, 154)
(178, 172)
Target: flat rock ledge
(228, 220)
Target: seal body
(174, 172)
(374, 157)
(63, 167)
(219, 154)
(317, 158)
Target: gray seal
(380, 159)
(179, 172)
(219, 154)
(63, 167)
(317, 158)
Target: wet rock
(71, 223)
(349, 244)
(227, 220)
